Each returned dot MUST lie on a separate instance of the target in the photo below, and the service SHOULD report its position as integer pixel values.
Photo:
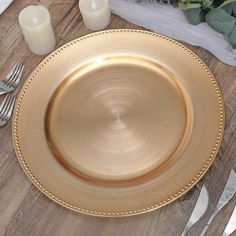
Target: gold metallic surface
(118, 127)
(111, 119)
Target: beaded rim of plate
(158, 204)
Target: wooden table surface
(26, 211)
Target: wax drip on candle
(94, 5)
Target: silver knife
(198, 211)
(228, 193)
(4, 5)
(231, 226)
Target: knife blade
(231, 226)
(198, 211)
(227, 194)
(4, 5)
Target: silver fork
(12, 80)
(6, 109)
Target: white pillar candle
(96, 13)
(35, 23)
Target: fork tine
(12, 72)
(5, 107)
(10, 77)
(18, 77)
(9, 109)
(15, 75)
(4, 102)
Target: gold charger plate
(118, 123)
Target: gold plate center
(117, 118)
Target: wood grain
(25, 211)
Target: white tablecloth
(170, 21)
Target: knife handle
(205, 229)
(186, 229)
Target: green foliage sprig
(219, 14)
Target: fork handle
(2, 91)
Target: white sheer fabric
(170, 21)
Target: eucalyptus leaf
(226, 3)
(188, 5)
(195, 15)
(221, 21)
(233, 4)
(206, 4)
(232, 38)
(228, 8)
